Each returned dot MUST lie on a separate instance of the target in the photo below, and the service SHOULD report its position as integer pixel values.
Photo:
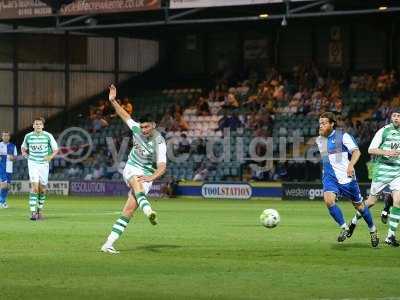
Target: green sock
(143, 203)
(394, 218)
(117, 230)
(33, 200)
(42, 198)
(120, 225)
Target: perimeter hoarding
(211, 3)
(110, 188)
(311, 191)
(53, 187)
(226, 191)
(15, 9)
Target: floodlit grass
(202, 249)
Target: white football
(270, 218)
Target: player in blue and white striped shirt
(339, 154)
(8, 153)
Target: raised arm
(118, 109)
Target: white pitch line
(71, 214)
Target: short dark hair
(39, 119)
(396, 110)
(146, 118)
(330, 116)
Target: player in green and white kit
(39, 147)
(147, 161)
(386, 147)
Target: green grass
(200, 250)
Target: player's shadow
(349, 246)
(156, 248)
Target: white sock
(390, 233)
(112, 238)
(356, 217)
(147, 210)
(372, 229)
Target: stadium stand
(275, 105)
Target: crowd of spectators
(253, 102)
(102, 113)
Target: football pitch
(202, 249)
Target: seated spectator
(349, 127)
(201, 174)
(74, 171)
(393, 80)
(251, 101)
(231, 101)
(98, 173)
(184, 145)
(243, 88)
(167, 122)
(98, 109)
(111, 169)
(337, 106)
(229, 121)
(203, 109)
(261, 171)
(170, 187)
(127, 106)
(370, 84)
(383, 112)
(396, 101)
(294, 105)
(279, 92)
(183, 125)
(92, 112)
(382, 81)
(98, 122)
(252, 120)
(198, 147)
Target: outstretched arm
(355, 156)
(118, 109)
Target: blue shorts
(349, 190)
(5, 177)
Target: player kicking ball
(338, 177)
(148, 148)
(385, 146)
(39, 147)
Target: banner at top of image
(30, 8)
(210, 3)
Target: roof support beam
(307, 6)
(199, 21)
